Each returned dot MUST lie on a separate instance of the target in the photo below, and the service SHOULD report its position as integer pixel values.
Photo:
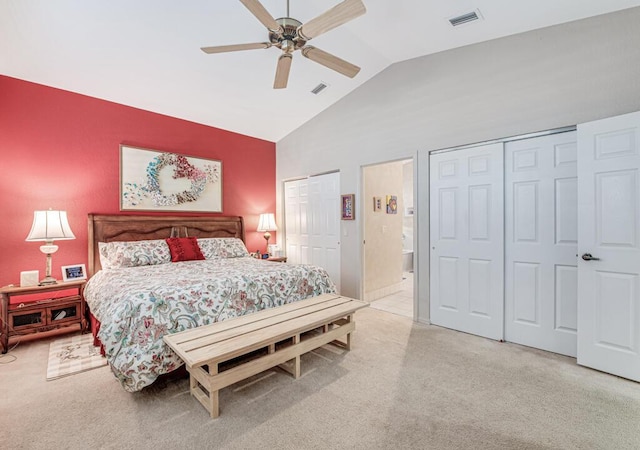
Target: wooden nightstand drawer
(23, 320)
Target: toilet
(407, 260)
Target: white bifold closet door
(296, 210)
(541, 236)
(609, 245)
(312, 222)
(467, 235)
(324, 232)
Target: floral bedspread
(137, 306)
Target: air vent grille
(465, 18)
(319, 88)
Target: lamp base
(47, 281)
(267, 236)
(48, 248)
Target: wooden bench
(272, 337)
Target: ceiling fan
(289, 35)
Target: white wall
(557, 76)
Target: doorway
(388, 251)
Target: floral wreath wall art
(159, 181)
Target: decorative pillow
(118, 254)
(216, 248)
(184, 249)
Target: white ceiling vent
(465, 18)
(319, 88)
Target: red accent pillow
(184, 249)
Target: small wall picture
(348, 207)
(392, 204)
(377, 204)
(75, 272)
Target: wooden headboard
(118, 227)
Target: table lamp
(267, 223)
(49, 226)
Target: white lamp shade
(267, 222)
(49, 226)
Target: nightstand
(277, 259)
(44, 313)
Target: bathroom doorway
(388, 221)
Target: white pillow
(118, 254)
(219, 248)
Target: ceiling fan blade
(332, 18)
(330, 61)
(282, 71)
(256, 8)
(235, 47)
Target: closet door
(312, 222)
(296, 209)
(324, 232)
(609, 245)
(541, 234)
(467, 235)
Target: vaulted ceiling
(146, 53)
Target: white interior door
(467, 240)
(312, 222)
(609, 229)
(296, 208)
(324, 236)
(541, 236)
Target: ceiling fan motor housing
(288, 40)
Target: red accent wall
(60, 150)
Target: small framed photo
(349, 207)
(75, 272)
(392, 204)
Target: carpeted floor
(403, 385)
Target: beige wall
(383, 232)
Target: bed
(136, 299)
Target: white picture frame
(74, 272)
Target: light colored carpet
(402, 386)
(73, 354)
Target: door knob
(588, 257)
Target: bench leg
(214, 405)
(296, 360)
(346, 345)
(208, 399)
(293, 365)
